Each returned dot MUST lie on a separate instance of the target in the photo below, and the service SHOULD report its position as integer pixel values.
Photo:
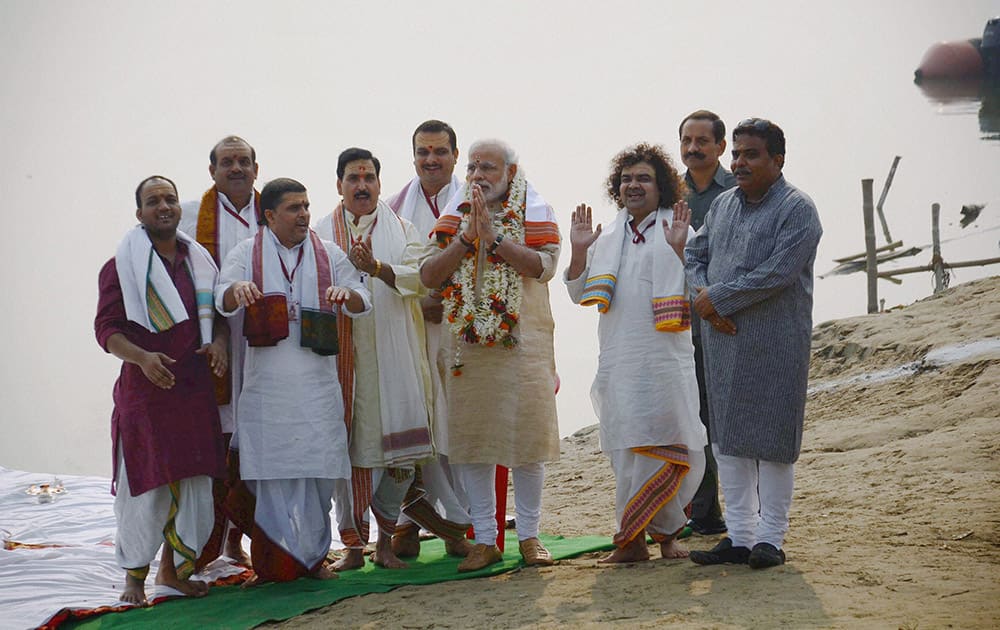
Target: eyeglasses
(759, 124)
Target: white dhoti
(181, 514)
(295, 514)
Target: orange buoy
(950, 60)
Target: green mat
(234, 607)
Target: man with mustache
(498, 247)
(165, 427)
(645, 392)
(703, 140)
(383, 369)
(291, 287)
(435, 500)
(751, 264)
(228, 213)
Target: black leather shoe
(722, 553)
(707, 528)
(765, 555)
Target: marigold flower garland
(491, 320)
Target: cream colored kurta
(423, 219)
(367, 427)
(502, 408)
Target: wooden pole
(967, 263)
(881, 199)
(883, 248)
(936, 261)
(871, 264)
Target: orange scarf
(207, 234)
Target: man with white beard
(499, 244)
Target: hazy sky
(98, 95)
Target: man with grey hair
(498, 247)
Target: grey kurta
(757, 262)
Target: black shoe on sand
(765, 555)
(722, 553)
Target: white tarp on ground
(75, 566)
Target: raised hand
(676, 232)
(481, 216)
(581, 232)
(581, 236)
(361, 256)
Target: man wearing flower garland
(228, 213)
(645, 392)
(383, 369)
(499, 244)
(435, 501)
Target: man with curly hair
(752, 266)
(499, 244)
(645, 393)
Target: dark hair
(270, 196)
(138, 189)
(763, 128)
(353, 155)
(718, 127)
(231, 140)
(668, 181)
(436, 126)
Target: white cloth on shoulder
(142, 275)
(671, 312)
(405, 202)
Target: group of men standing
(389, 360)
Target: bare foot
(166, 575)
(634, 551)
(253, 581)
(234, 546)
(383, 556)
(134, 592)
(670, 549)
(323, 573)
(353, 559)
(191, 588)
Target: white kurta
(231, 233)
(645, 392)
(290, 412)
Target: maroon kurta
(167, 434)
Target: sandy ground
(895, 521)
